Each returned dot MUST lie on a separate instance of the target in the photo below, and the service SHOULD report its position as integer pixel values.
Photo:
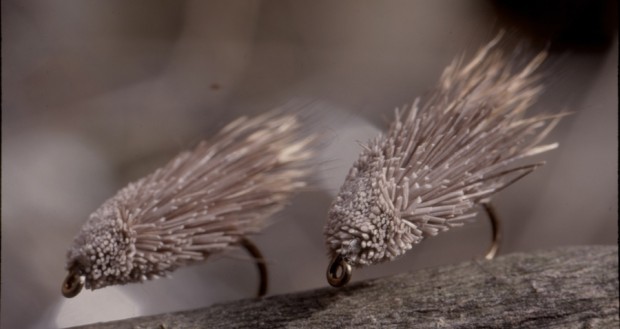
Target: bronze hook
(253, 250)
(496, 233)
(333, 278)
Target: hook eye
(338, 272)
(73, 284)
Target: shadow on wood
(572, 287)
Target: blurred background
(96, 94)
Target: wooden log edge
(570, 287)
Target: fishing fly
(203, 202)
(441, 158)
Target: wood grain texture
(571, 287)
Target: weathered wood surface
(574, 287)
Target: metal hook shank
(333, 278)
(497, 234)
(253, 250)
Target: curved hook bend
(496, 230)
(253, 250)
